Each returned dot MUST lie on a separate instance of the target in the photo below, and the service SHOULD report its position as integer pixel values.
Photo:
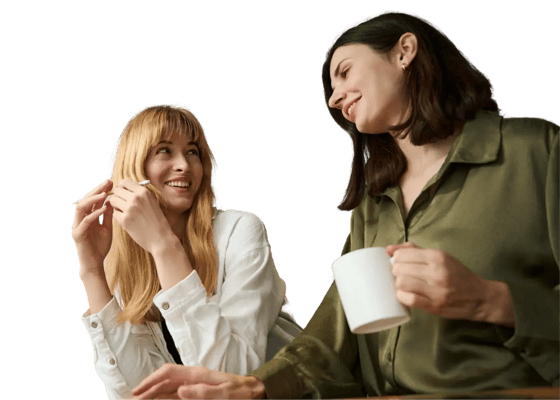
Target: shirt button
(112, 361)
(389, 356)
(94, 325)
(165, 306)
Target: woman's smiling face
(174, 167)
(367, 87)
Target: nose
(180, 163)
(336, 99)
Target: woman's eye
(163, 150)
(344, 73)
(193, 152)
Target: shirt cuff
(536, 312)
(535, 335)
(280, 379)
(183, 295)
(104, 320)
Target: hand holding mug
(436, 282)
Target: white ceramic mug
(366, 286)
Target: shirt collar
(478, 143)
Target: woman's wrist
(257, 388)
(97, 289)
(165, 244)
(92, 273)
(172, 263)
(496, 305)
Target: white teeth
(178, 184)
(351, 108)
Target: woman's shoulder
(235, 216)
(529, 131)
(238, 225)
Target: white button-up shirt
(228, 331)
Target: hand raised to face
(93, 240)
(138, 212)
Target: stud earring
(404, 67)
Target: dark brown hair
(444, 90)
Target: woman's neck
(420, 158)
(423, 162)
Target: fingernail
(392, 260)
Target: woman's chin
(362, 128)
(179, 209)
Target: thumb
(394, 247)
(108, 217)
(184, 392)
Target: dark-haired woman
(466, 203)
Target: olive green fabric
(494, 207)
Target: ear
(405, 49)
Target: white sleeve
(228, 331)
(124, 354)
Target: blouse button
(165, 306)
(112, 361)
(389, 356)
(94, 325)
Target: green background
(73, 73)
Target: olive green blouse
(494, 207)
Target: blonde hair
(129, 267)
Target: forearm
(124, 353)
(171, 261)
(216, 341)
(233, 334)
(97, 290)
(319, 363)
(496, 306)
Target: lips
(178, 184)
(349, 110)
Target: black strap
(170, 343)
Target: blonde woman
(170, 279)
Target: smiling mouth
(183, 185)
(350, 109)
